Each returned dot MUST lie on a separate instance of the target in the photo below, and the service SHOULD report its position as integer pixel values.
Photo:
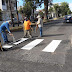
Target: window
(3, 2)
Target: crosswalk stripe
(32, 44)
(22, 39)
(16, 43)
(7, 46)
(52, 46)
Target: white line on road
(32, 44)
(7, 46)
(52, 46)
(16, 43)
(22, 39)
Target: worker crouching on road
(3, 27)
(27, 28)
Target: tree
(38, 3)
(41, 13)
(69, 11)
(17, 13)
(46, 4)
(33, 4)
(0, 15)
(65, 8)
(56, 8)
(27, 10)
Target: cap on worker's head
(25, 18)
(9, 21)
(38, 16)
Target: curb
(12, 29)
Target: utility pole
(10, 11)
(17, 13)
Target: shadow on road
(52, 35)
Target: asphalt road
(37, 60)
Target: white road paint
(32, 44)
(7, 46)
(22, 40)
(52, 46)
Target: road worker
(3, 27)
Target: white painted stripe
(7, 46)
(32, 44)
(22, 39)
(52, 46)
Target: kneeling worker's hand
(10, 34)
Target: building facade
(4, 6)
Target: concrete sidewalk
(16, 28)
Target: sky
(20, 3)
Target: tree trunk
(11, 12)
(33, 13)
(17, 14)
(46, 9)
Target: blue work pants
(40, 28)
(4, 36)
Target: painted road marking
(32, 44)
(7, 46)
(52, 46)
(22, 40)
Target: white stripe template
(52, 46)
(32, 44)
(7, 46)
(16, 43)
(22, 39)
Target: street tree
(56, 9)
(0, 15)
(33, 4)
(27, 10)
(65, 8)
(39, 2)
(46, 4)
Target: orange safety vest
(27, 25)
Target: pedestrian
(27, 28)
(40, 25)
(3, 27)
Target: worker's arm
(7, 26)
(38, 22)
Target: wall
(1, 4)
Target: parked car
(67, 19)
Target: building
(4, 6)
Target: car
(67, 19)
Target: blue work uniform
(3, 27)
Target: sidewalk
(16, 28)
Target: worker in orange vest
(27, 28)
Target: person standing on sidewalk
(3, 27)
(40, 25)
(27, 28)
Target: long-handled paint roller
(13, 38)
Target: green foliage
(41, 13)
(65, 8)
(57, 9)
(27, 10)
(51, 9)
(0, 15)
